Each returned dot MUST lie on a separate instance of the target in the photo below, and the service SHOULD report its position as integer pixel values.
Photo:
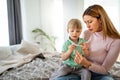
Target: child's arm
(85, 49)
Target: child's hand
(66, 55)
(85, 49)
(84, 46)
(71, 47)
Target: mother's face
(92, 23)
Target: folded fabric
(24, 53)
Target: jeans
(94, 76)
(83, 73)
(69, 77)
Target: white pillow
(29, 47)
(5, 52)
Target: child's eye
(77, 31)
(72, 31)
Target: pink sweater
(103, 53)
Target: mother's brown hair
(108, 28)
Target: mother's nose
(88, 26)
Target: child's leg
(62, 71)
(84, 74)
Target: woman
(104, 43)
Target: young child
(71, 46)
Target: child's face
(74, 33)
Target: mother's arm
(109, 60)
(107, 63)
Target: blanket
(37, 69)
(17, 55)
(41, 69)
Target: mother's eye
(89, 21)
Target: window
(4, 36)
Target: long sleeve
(103, 53)
(109, 59)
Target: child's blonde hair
(75, 24)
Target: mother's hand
(79, 59)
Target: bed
(38, 66)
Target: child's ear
(68, 30)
